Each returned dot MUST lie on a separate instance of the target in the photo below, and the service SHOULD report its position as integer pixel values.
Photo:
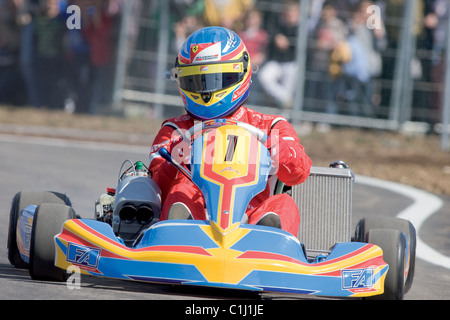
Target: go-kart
(230, 164)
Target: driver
(213, 73)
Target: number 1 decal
(231, 149)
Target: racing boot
(270, 219)
(179, 211)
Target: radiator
(325, 204)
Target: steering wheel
(201, 127)
(211, 124)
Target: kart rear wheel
(20, 201)
(402, 225)
(393, 244)
(48, 221)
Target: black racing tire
(402, 225)
(20, 201)
(48, 221)
(393, 244)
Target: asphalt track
(84, 169)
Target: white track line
(424, 206)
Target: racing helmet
(213, 73)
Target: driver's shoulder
(261, 120)
(181, 122)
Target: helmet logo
(205, 52)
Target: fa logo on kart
(83, 256)
(357, 278)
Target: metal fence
(409, 91)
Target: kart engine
(134, 206)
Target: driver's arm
(294, 164)
(162, 172)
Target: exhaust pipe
(144, 214)
(129, 213)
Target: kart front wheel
(20, 201)
(393, 244)
(402, 225)
(48, 221)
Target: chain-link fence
(369, 64)
(375, 64)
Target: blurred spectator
(188, 16)
(330, 51)
(431, 45)
(395, 12)
(346, 8)
(315, 12)
(256, 40)
(57, 64)
(226, 13)
(366, 62)
(50, 27)
(98, 30)
(9, 53)
(254, 37)
(437, 20)
(26, 13)
(77, 71)
(278, 75)
(183, 29)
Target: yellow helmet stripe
(236, 67)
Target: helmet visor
(209, 82)
(209, 77)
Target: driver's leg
(184, 201)
(281, 205)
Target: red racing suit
(294, 167)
